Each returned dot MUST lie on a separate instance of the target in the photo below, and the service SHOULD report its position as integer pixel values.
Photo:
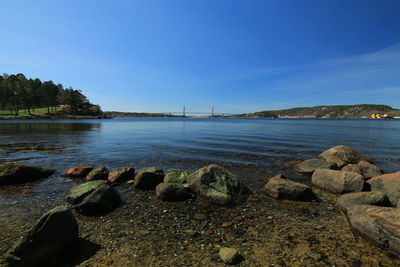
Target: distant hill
(342, 111)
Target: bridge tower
(184, 111)
(212, 111)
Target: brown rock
(342, 155)
(388, 184)
(369, 170)
(172, 192)
(148, 178)
(353, 168)
(121, 175)
(375, 198)
(78, 172)
(380, 225)
(310, 165)
(339, 182)
(280, 188)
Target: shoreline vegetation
(227, 218)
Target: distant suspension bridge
(187, 113)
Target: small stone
(226, 225)
(229, 255)
(253, 199)
(270, 217)
(200, 216)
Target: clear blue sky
(238, 56)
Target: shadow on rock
(84, 250)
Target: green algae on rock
(176, 176)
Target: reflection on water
(161, 141)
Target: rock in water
(77, 193)
(342, 155)
(55, 232)
(280, 188)
(310, 165)
(388, 184)
(217, 185)
(375, 198)
(378, 224)
(338, 182)
(121, 175)
(176, 176)
(102, 200)
(78, 172)
(148, 178)
(172, 192)
(11, 173)
(100, 173)
(230, 255)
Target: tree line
(20, 93)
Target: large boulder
(172, 192)
(148, 178)
(176, 176)
(375, 198)
(378, 224)
(353, 168)
(78, 172)
(100, 173)
(217, 185)
(55, 232)
(121, 175)
(12, 173)
(310, 165)
(388, 184)
(280, 188)
(77, 193)
(342, 155)
(102, 200)
(338, 182)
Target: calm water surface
(178, 142)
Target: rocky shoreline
(211, 216)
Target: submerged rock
(375, 198)
(55, 232)
(388, 184)
(342, 155)
(121, 175)
(12, 173)
(310, 165)
(172, 192)
(77, 193)
(339, 182)
(100, 173)
(148, 178)
(230, 255)
(217, 185)
(176, 176)
(280, 188)
(102, 200)
(378, 224)
(78, 172)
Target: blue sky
(238, 56)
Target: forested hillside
(18, 94)
(341, 111)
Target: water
(179, 142)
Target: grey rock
(310, 165)
(56, 231)
(102, 200)
(280, 188)
(230, 255)
(338, 182)
(217, 185)
(13, 173)
(369, 170)
(77, 193)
